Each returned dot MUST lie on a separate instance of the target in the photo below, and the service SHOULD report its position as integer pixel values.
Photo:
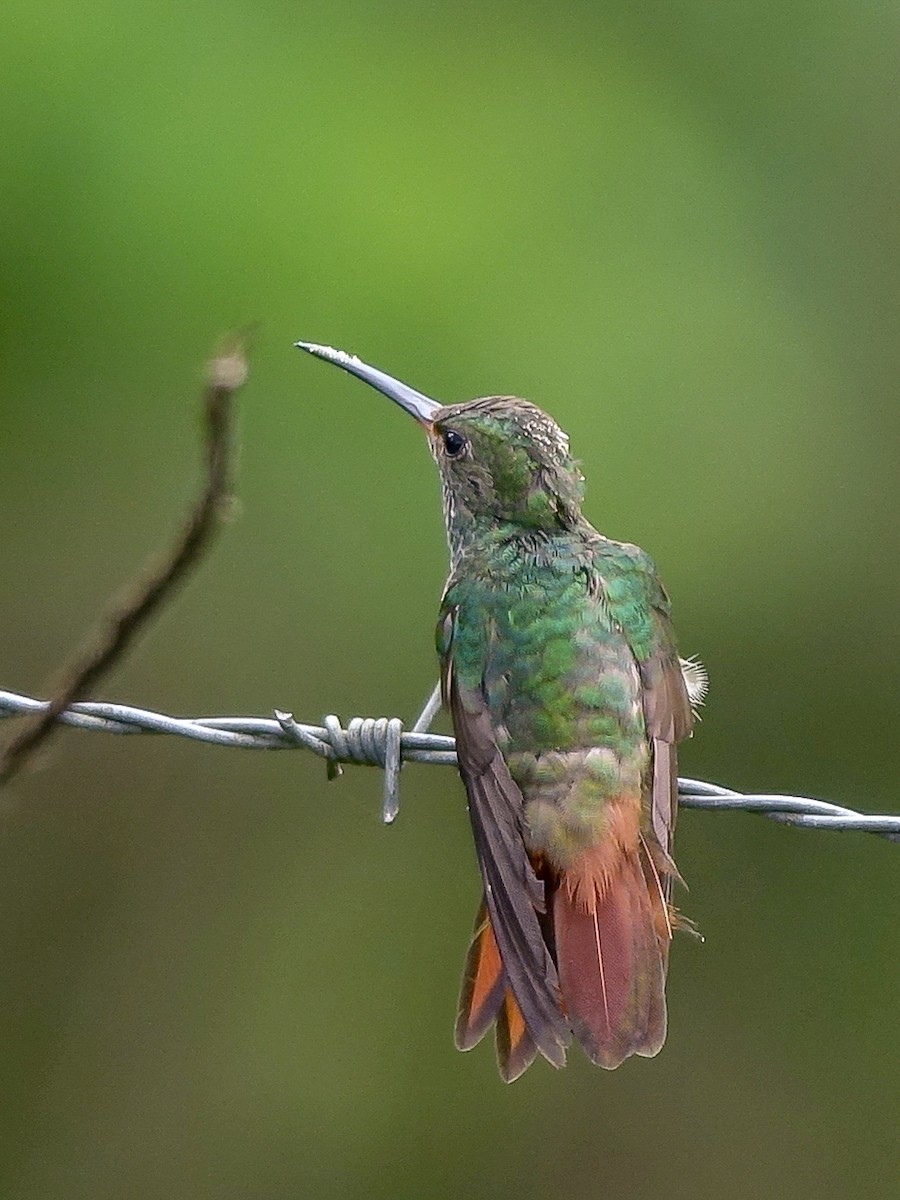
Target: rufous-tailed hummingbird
(568, 698)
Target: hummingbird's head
(505, 460)
(502, 460)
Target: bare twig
(143, 598)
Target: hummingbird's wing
(514, 896)
(637, 602)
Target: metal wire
(381, 742)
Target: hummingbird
(560, 672)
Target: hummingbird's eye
(454, 443)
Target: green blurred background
(675, 225)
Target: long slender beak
(413, 402)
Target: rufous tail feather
(486, 999)
(483, 985)
(611, 951)
(515, 1049)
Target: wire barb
(382, 742)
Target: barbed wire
(382, 742)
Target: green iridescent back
(551, 631)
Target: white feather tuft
(696, 680)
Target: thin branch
(143, 598)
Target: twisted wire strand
(382, 742)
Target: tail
(611, 949)
(611, 952)
(486, 998)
